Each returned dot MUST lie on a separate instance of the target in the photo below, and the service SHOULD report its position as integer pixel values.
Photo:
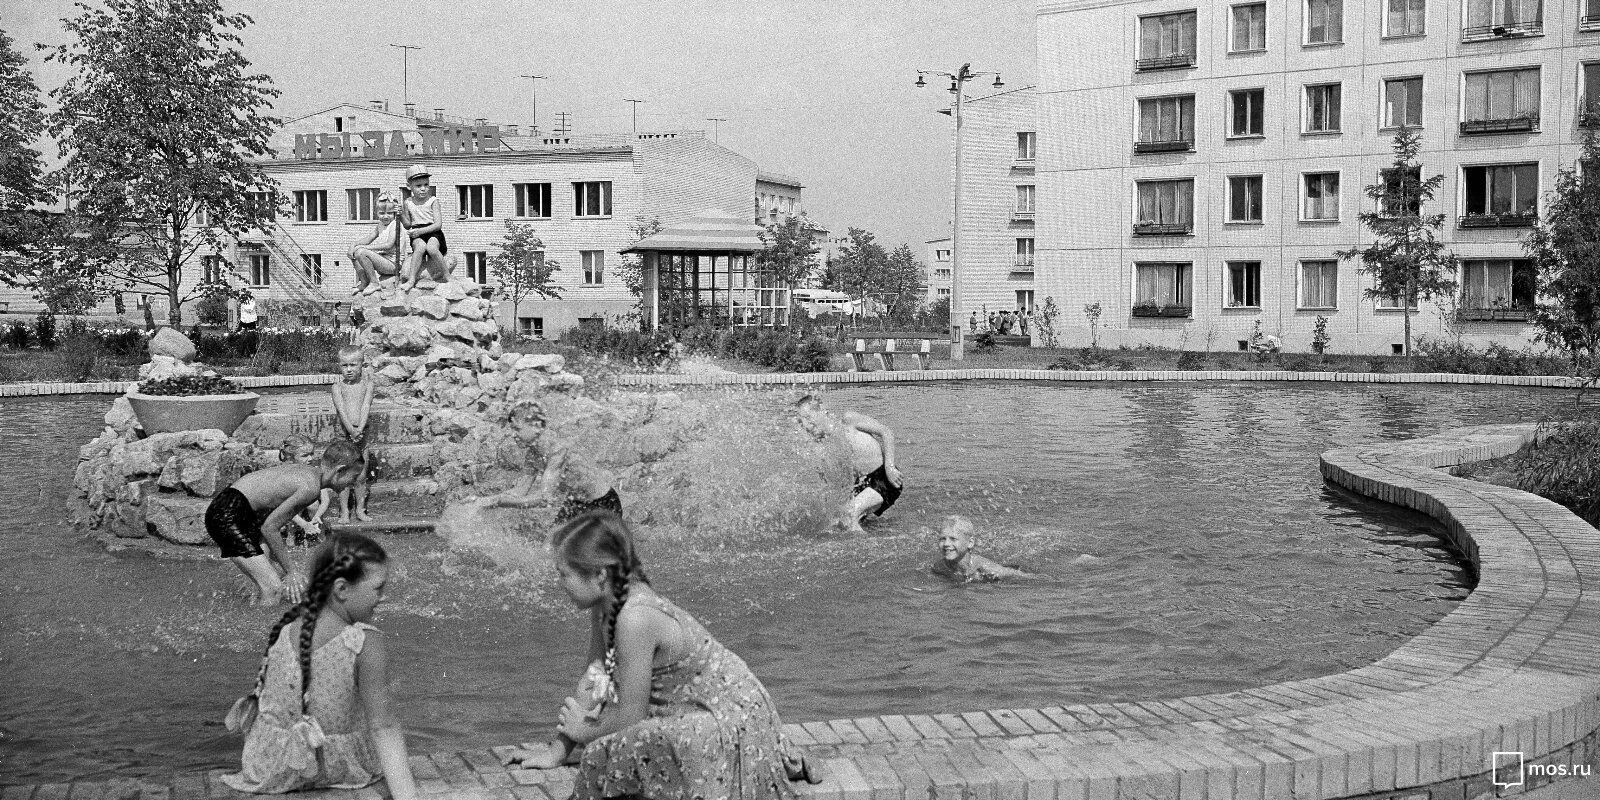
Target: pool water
(1220, 560)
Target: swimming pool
(1223, 561)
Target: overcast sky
(820, 90)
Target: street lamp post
(535, 79)
(958, 81)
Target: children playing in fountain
(878, 482)
(575, 482)
(956, 541)
(233, 523)
(320, 716)
(425, 224)
(352, 406)
(298, 449)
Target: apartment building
(994, 246)
(938, 261)
(1201, 163)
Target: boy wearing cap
(425, 224)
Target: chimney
(377, 105)
(511, 130)
(411, 109)
(438, 114)
(481, 121)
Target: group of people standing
(1002, 322)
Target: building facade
(938, 269)
(1200, 164)
(994, 248)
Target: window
(942, 273)
(1402, 191)
(1245, 112)
(594, 266)
(1025, 254)
(1589, 100)
(477, 202)
(264, 203)
(1402, 102)
(533, 200)
(1501, 101)
(213, 269)
(1496, 18)
(1027, 144)
(311, 267)
(592, 199)
(1025, 299)
(1404, 17)
(1322, 108)
(1165, 207)
(311, 206)
(1249, 28)
(941, 255)
(530, 326)
(1324, 21)
(1319, 284)
(1321, 201)
(1160, 286)
(1591, 15)
(260, 269)
(1166, 41)
(1244, 284)
(1025, 195)
(944, 292)
(1166, 123)
(1504, 285)
(1501, 190)
(478, 267)
(1244, 198)
(363, 204)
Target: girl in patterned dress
(319, 716)
(673, 714)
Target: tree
(21, 169)
(521, 267)
(1565, 248)
(631, 273)
(903, 285)
(162, 128)
(1406, 259)
(790, 252)
(852, 270)
(864, 269)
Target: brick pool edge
(1516, 667)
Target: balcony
(1479, 127)
(1164, 146)
(1162, 228)
(1022, 216)
(1022, 266)
(1589, 22)
(1497, 314)
(1154, 310)
(1504, 30)
(1511, 220)
(1176, 61)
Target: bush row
(1564, 466)
(779, 350)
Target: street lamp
(958, 83)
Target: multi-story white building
(994, 247)
(938, 269)
(583, 195)
(1200, 163)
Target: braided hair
(345, 555)
(600, 542)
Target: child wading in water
(298, 449)
(319, 716)
(421, 216)
(233, 522)
(352, 405)
(956, 540)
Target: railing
(1176, 61)
(1505, 30)
(1026, 216)
(1523, 220)
(1164, 146)
(1162, 228)
(1513, 125)
(1513, 314)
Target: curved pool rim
(1515, 668)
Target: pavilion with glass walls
(703, 272)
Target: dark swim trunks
(878, 481)
(422, 241)
(231, 522)
(609, 501)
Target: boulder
(472, 308)
(394, 306)
(485, 329)
(178, 517)
(453, 290)
(120, 418)
(455, 328)
(431, 306)
(544, 362)
(208, 472)
(169, 342)
(164, 366)
(393, 373)
(492, 383)
(409, 334)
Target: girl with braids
(320, 716)
(679, 717)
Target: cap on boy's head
(416, 171)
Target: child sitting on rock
(379, 257)
(956, 541)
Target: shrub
(984, 342)
(188, 385)
(1564, 466)
(78, 358)
(1190, 359)
(1452, 355)
(780, 350)
(44, 330)
(17, 335)
(212, 309)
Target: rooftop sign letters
(398, 144)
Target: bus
(817, 302)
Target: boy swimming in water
(956, 541)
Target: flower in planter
(189, 386)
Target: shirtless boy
(298, 449)
(232, 517)
(573, 482)
(878, 481)
(956, 540)
(352, 406)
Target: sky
(820, 90)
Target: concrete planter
(164, 414)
